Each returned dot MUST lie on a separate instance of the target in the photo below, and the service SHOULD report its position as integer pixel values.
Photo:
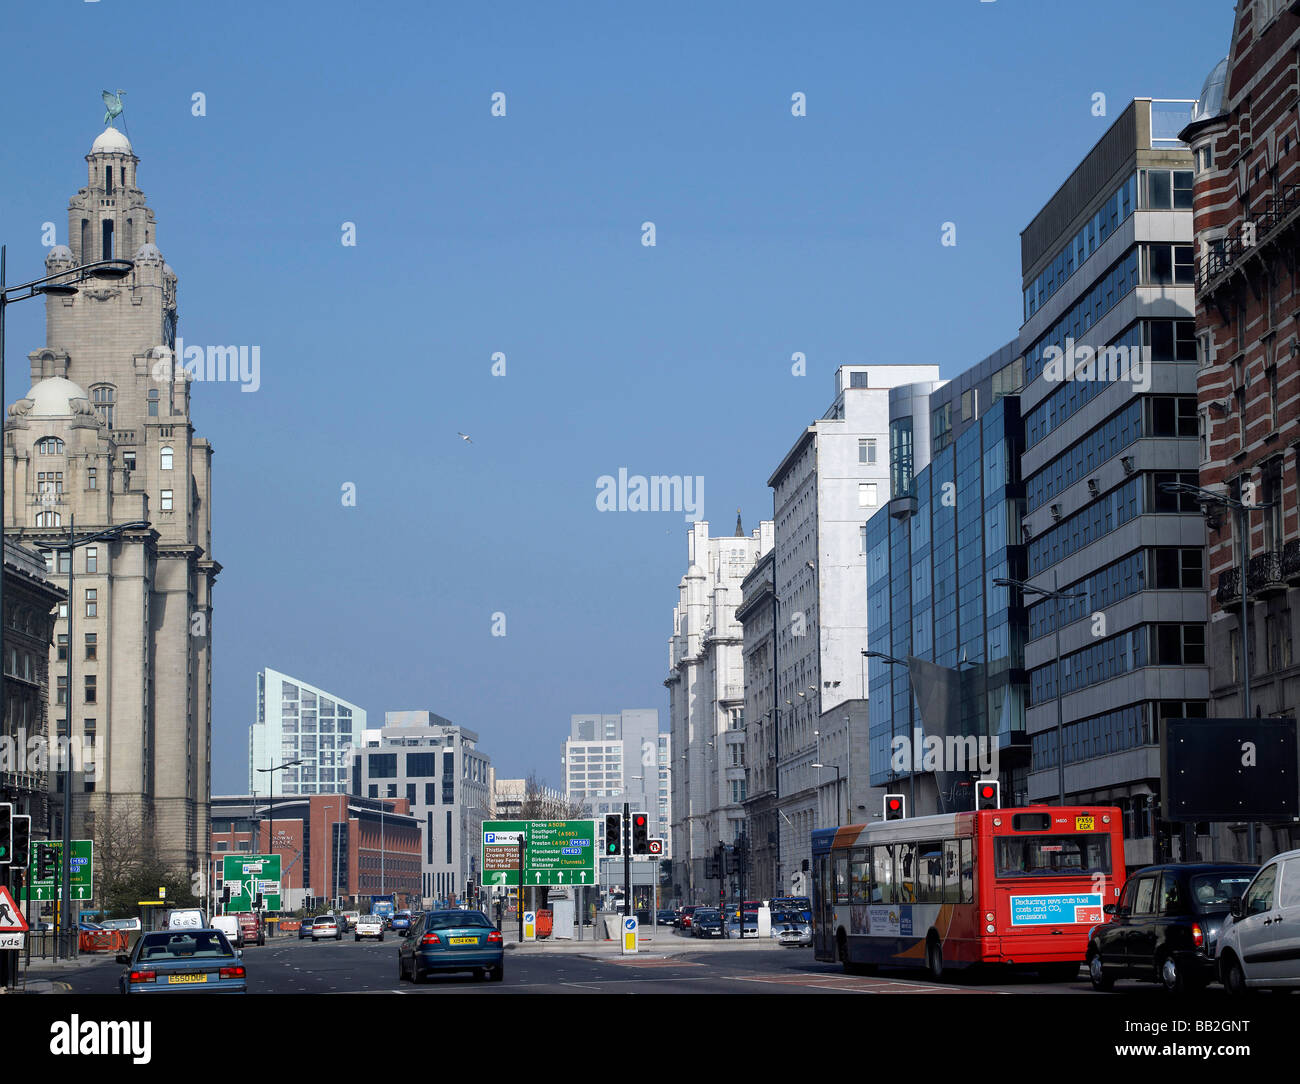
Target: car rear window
(192, 943)
(1214, 892)
(448, 919)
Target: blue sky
(522, 234)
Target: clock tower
(105, 436)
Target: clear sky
(522, 234)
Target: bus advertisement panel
(1018, 887)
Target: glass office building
(951, 528)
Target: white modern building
(298, 721)
(824, 490)
(707, 702)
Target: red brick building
(335, 847)
(1246, 144)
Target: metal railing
(1265, 573)
(1226, 253)
(1229, 589)
(1291, 560)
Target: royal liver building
(104, 435)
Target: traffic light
(640, 833)
(6, 831)
(47, 861)
(895, 807)
(987, 794)
(22, 842)
(613, 833)
(710, 869)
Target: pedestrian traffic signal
(987, 794)
(613, 833)
(6, 830)
(895, 807)
(22, 841)
(641, 833)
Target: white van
(229, 925)
(1260, 946)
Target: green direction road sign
(249, 874)
(556, 853)
(82, 865)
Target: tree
(128, 866)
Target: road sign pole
(519, 900)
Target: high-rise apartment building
(298, 721)
(614, 758)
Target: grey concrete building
(438, 768)
(1108, 263)
(105, 435)
(614, 758)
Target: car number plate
(1084, 824)
(464, 940)
(181, 979)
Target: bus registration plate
(1084, 824)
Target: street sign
(247, 875)
(530, 925)
(11, 940)
(556, 853)
(81, 865)
(11, 916)
(656, 848)
(629, 935)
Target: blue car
(400, 922)
(183, 961)
(451, 941)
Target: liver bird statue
(113, 102)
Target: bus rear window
(1055, 855)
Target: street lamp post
(1241, 509)
(889, 660)
(60, 285)
(109, 534)
(271, 772)
(1060, 597)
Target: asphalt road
(328, 967)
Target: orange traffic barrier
(290, 925)
(102, 941)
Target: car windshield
(1214, 892)
(444, 920)
(158, 947)
(1055, 855)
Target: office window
(92, 478)
(867, 450)
(92, 559)
(63, 645)
(92, 602)
(969, 404)
(166, 504)
(90, 688)
(867, 494)
(92, 645)
(165, 459)
(61, 696)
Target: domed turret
(111, 141)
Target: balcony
(1224, 259)
(1229, 589)
(1264, 578)
(1291, 563)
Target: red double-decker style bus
(1017, 887)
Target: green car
(451, 941)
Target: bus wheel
(934, 958)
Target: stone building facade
(104, 437)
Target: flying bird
(113, 102)
(464, 438)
